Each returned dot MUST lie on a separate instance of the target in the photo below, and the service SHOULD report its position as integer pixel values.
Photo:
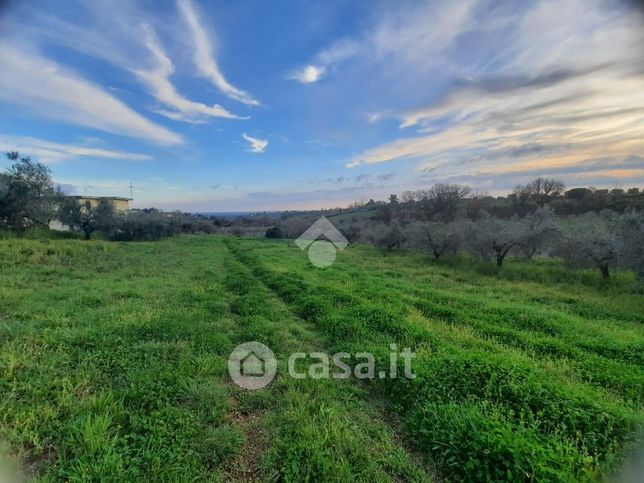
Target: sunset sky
(225, 106)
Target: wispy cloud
(158, 81)
(52, 152)
(204, 59)
(256, 145)
(132, 44)
(566, 89)
(406, 35)
(593, 172)
(424, 33)
(325, 61)
(60, 93)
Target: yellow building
(120, 204)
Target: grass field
(113, 361)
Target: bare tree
(294, 226)
(540, 190)
(408, 196)
(446, 198)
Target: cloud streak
(204, 59)
(400, 37)
(52, 152)
(59, 93)
(132, 44)
(158, 81)
(564, 87)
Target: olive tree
(386, 237)
(632, 232)
(82, 216)
(27, 193)
(541, 231)
(592, 239)
(436, 237)
(492, 237)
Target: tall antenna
(132, 193)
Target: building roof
(118, 198)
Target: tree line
(29, 199)
(540, 218)
(602, 240)
(583, 226)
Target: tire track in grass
(246, 464)
(480, 415)
(318, 430)
(622, 378)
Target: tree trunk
(500, 256)
(604, 269)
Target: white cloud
(158, 80)
(564, 123)
(423, 33)
(325, 61)
(59, 93)
(417, 37)
(51, 152)
(131, 44)
(563, 86)
(307, 74)
(204, 59)
(256, 145)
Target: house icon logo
(322, 252)
(252, 365)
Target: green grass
(534, 373)
(113, 364)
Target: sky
(251, 106)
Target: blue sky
(221, 106)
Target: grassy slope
(536, 373)
(113, 364)
(113, 361)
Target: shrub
(274, 232)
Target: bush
(274, 232)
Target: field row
(113, 364)
(504, 388)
